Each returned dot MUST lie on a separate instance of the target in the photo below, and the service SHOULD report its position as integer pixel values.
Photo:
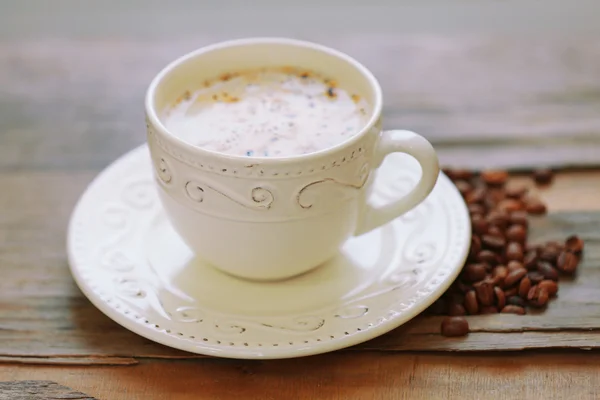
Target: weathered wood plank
(485, 341)
(340, 375)
(32, 390)
(483, 100)
(45, 319)
(562, 155)
(72, 18)
(66, 361)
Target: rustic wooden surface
(43, 390)
(476, 78)
(47, 320)
(339, 376)
(502, 86)
(77, 104)
(342, 375)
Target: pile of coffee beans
(503, 273)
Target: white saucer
(129, 262)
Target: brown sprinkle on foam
(227, 76)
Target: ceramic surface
(284, 215)
(133, 266)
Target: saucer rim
(163, 338)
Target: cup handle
(400, 141)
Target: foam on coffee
(270, 112)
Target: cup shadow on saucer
(186, 277)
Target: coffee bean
(550, 286)
(454, 327)
(494, 280)
(496, 194)
(535, 277)
(475, 272)
(456, 297)
(513, 265)
(488, 310)
(475, 246)
(493, 230)
(530, 260)
(485, 293)
(533, 293)
(494, 177)
(516, 233)
(439, 307)
(543, 176)
(463, 187)
(476, 195)
(479, 224)
(463, 287)
(455, 309)
(567, 262)
(541, 298)
(535, 206)
(574, 244)
(500, 272)
(524, 287)
(489, 203)
(487, 256)
(515, 191)
(500, 298)
(514, 277)
(519, 218)
(498, 218)
(493, 242)
(476, 209)
(511, 309)
(509, 205)
(547, 270)
(471, 304)
(549, 253)
(516, 301)
(514, 251)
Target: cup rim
(157, 124)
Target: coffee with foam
(270, 112)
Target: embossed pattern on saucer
(129, 262)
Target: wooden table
(71, 91)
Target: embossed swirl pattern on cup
(258, 198)
(195, 187)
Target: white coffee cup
(270, 218)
